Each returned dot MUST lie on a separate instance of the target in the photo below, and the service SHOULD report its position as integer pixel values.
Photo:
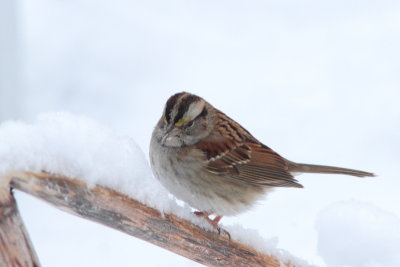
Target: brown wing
(248, 161)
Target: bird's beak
(169, 129)
(166, 134)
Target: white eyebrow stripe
(194, 109)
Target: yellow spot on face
(182, 121)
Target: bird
(212, 163)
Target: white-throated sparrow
(209, 161)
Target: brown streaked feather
(241, 157)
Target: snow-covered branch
(105, 178)
(111, 208)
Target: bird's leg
(206, 215)
(214, 222)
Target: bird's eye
(190, 124)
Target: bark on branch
(15, 246)
(111, 208)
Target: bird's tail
(310, 168)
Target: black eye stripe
(170, 105)
(181, 102)
(203, 113)
(184, 106)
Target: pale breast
(186, 177)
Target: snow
(355, 233)
(252, 237)
(79, 147)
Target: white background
(318, 81)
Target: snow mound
(78, 147)
(253, 239)
(353, 233)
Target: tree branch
(111, 208)
(15, 246)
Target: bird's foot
(213, 222)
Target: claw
(224, 232)
(214, 222)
